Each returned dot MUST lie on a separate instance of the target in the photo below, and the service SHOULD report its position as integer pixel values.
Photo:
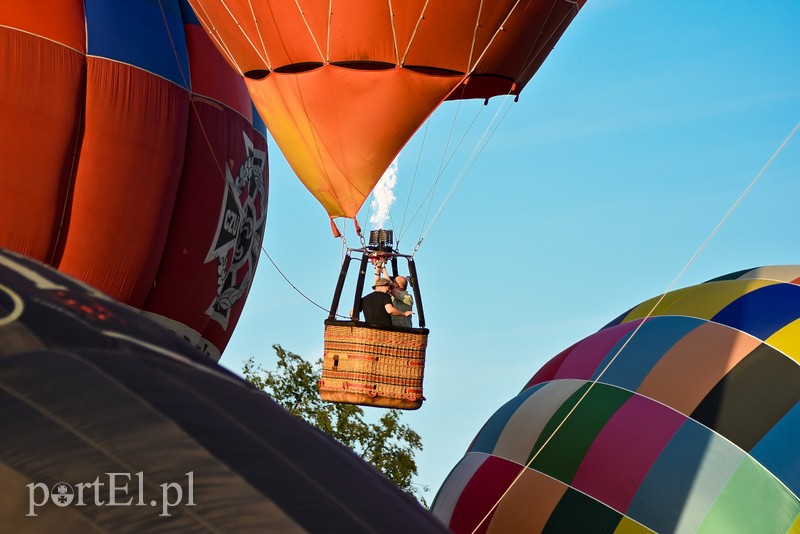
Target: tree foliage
(388, 444)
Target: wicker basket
(373, 366)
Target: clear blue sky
(632, 142)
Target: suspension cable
(471, 160)
(442, 169)
(413, 181)
(477, 151)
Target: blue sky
(632, 142)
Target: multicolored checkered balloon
(681, 415)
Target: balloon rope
(191, 99)
(321, 307)
(490, 130)
(494, 36)
(641, 323)
(328, 36)
(413, 181)
(311, 33)
(476, 152)
(475, 36)
(394, 34)
(212, 33)
(440, 173)
(258, 30)
(442, 165)
(529, 59)
(414, 33)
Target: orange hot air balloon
(343, 85)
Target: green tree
(388, 444)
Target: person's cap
(382, 282)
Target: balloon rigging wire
(440, 173)
(212, 32)
(394, 34)
(413, 181)
(650, 313)
(470, 162)
(442, 166)
(310, 32)
(423, 230)
(258, 30)
(478, 149)
(321, 307)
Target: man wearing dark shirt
(377, 306)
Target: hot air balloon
(131, 158)
(112, 423)
(342, 87)
(681, 415)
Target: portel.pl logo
(114, 489)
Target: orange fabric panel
(39, 126)
(61, 21)
(362, 30)
(445, 36)
(233, 29)
(312, 114)
(517, 52)
(340, 128)
(688, 371)
(515, 513)
(270, 34)
(440, 37)
(127, 176)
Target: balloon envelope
(686, 421)
(131, 158)
(343, 86)
(93, 396)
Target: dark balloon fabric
(681, 415)
(89, 387)
(131, 158)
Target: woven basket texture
(373, 367)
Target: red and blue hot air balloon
(132, 159)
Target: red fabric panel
(241, 270)
(587, 354)
(200, 282)
(202, 239)
(61, 21)
(549, 370)
(126, 179)
(186, 285)
(485, 488)
(40, 107)
(211, 76)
